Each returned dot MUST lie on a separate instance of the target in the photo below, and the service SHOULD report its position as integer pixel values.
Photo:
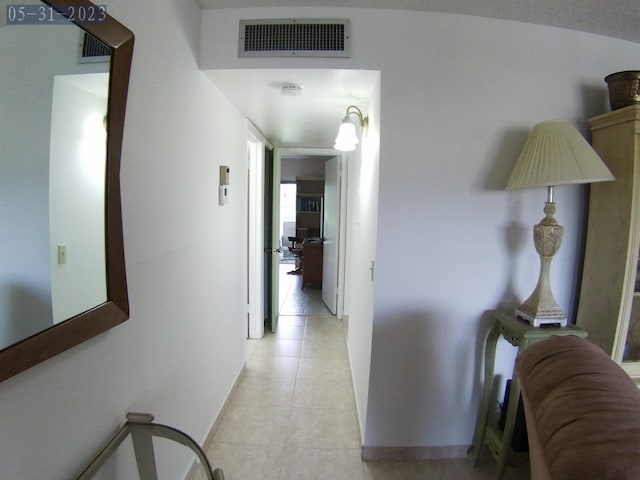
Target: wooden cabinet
(312, 264)
(609, 306)
(309, 208)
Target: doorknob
(272, 250)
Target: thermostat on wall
(223, 194)
(224, 175)
(223, 190)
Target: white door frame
(342, 239)
(256, 143)
(329, 152)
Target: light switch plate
(62, 254)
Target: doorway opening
(312, 259)
(300, 232)
(311, 119)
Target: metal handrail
(142, 430)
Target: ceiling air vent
(300, 37)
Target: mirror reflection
(52, 176)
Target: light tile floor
(293, 414)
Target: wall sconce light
(347, 138)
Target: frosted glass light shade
(557, 154)
(347, 138)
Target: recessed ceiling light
(291, 90)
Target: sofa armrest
(584, 408)
(538, 464)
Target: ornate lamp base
(541, 307)
(538, 320)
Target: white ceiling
(613, 18)
(307, 120)
(311, 119)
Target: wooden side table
(520, 334)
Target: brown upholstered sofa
(582, 412)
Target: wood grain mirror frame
(58, 338)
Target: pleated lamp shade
(557, 154)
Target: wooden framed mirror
(112, 308)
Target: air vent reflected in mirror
(93, 50)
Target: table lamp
(554, 154)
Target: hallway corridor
(293, 415)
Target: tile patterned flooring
(293, 413)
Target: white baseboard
(414, 453)
(208, 441)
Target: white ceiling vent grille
(295, 38)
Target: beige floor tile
(329, 333)
(264, 391)
(294, 309)
(323, 348)
(267, 426)
(317, 368)
(289, 332)
(274, 347)
(323, 428)
(293, 320)
(266, 366)
(324, 322)
(316, 307)
(246, 462)
(314, 464)
(252, 344)
(324, 393)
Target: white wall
(459, 95)
(363, 167)
(180, 352)
(294, 167)
(474, 88)
(76, 194)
